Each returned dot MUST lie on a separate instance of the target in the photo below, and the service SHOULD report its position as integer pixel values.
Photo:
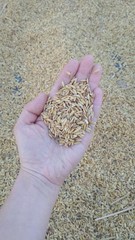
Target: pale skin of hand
(44, 163)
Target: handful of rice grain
(68, 115)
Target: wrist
(39, 183)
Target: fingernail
(97, 68)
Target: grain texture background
(37, 39)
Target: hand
(39, 154)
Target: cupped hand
(41, 155)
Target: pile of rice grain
(68, 115)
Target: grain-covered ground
(37, 38)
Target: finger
(33, 109)
(40, 122)
(98, 96)
(95, 76)
(85, 67)
(65, 76)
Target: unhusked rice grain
(68, 115)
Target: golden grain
(68, 114)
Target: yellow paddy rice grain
(68, 115)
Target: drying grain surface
(37, 38)
(69, 114)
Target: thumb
(33, 109)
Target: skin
(44, 163)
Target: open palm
(41, 155)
